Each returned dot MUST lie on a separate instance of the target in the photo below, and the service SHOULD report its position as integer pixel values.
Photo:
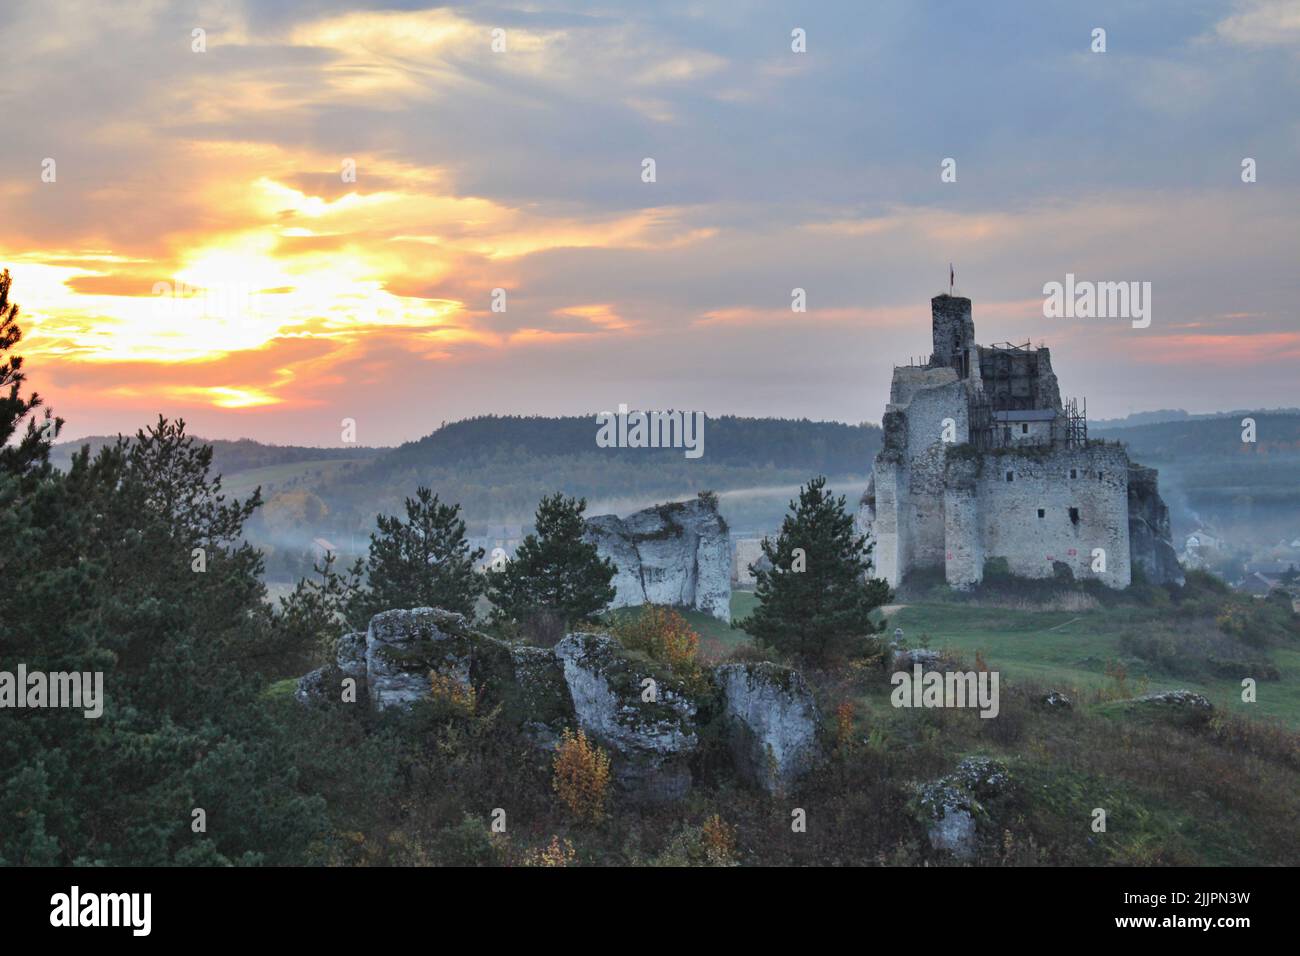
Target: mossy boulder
(959, 810)
(1183, 708)
(637, 709)
(403, 646)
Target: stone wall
(904, 510)
(963, 534)
(746, 552)
(1010, 526)
(926, 414)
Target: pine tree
(818, 595)
(133, 565)
(320, 609)
(424, 561)
(555, 572)
(32, 452)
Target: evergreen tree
(319, 610)
(31, 453)
(555, 572)
(132, 564)
(423, 561)
(817, 596)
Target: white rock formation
(400, 647)
(651, 740)
(652, 732)
(677, 554)
(772, 721)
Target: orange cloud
(1220, 350)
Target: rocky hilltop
(651, 722)
(676, 554)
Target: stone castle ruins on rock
(982, 460)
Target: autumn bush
(581, 776)
(555, 853)
(719, 841)
(844, 714)
(450, 695)
(662, 634)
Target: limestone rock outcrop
(955, 809)
(1149, 530)
(402, 647)
(652, 739)
(677, 554)
(326, 683)
(1183, 708)
(646, 718)
(772, 723)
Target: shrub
(581, 777)
(664, 635)
(451, 696)
(554, 853)
(844, 726)
(468, 843)
(719, 841)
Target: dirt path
(889, 609)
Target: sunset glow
(317, 199)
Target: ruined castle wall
(1011, 527)
(963, 535)
(887, 554)
(1047, 391)
(1030, 433)
(910, 379)
(926, 416)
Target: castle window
(1099, 475)
(1011, 476)
(1024, 429)
(1041, 513)
(1074, 473)
(1074, 515)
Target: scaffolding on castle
(990, 429)
(1076, 424)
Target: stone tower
(981, 462)
(954, 333)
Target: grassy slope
(1071, 650)
(1172, 796)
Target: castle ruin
(981, 460)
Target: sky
(302, 213)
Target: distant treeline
(1276, 433)
(499, 467)
(1247, 491)
(825, 447)
(230, 457)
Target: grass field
(1067, 650)
(1070, 651)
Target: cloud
(1260, 23)
(293, 296)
